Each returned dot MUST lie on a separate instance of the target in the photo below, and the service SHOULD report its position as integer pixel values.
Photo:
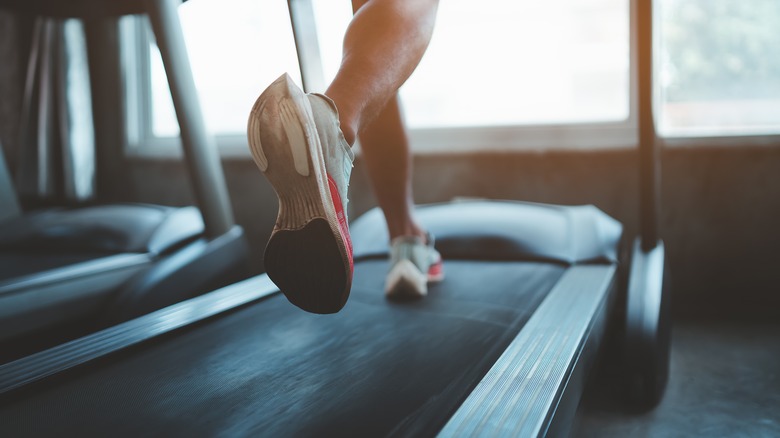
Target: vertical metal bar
(108, 110)
(62, 172)
(200, 148)
(307, 46)
(9, 204)
(43, 133)
(26, 164)
(649, 157)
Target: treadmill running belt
(269, 369)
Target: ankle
(409, 231)
(345, 125)
(348, 132)
(345, 113)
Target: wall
(720, 208)
(720, 205)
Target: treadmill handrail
(649, 153)
(38, 366)
(200, 148)
(518, 396)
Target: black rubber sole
(308, 267)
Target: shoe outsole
(307, 255)
(306, 260)
(405, 282)
(405, 290)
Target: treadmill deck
(269, 369)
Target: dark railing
(649, 154)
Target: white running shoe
(297, 143)
(413, 264)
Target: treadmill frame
(36, 367)
(532, 390)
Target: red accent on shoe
(436, 271)
(342, 217)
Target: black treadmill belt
(269, 369)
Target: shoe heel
(282, 101)
(308, 268)
(285, 148)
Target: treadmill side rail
(33, 368)
(520, 394)
(35, 302)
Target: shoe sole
(307, 256)
(406, 282)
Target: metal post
(306, 46)
(649, 157)
(9, 205)
(108, 110)
(200, 149)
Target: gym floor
(724, 382)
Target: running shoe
(297, 143)
(413, 264)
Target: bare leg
(383, 45)
(386, 153)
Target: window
(236, 47)
(719, 67)
(508, 62)
(497, 62)
(499, 74)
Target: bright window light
(236, 48)
(509, 62)
(719, 67)
(492, 62)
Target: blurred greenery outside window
(718, 67)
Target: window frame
(622, 134)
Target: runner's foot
(413, 264)
(296, 142)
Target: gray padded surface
(14, 265)
(503, 230)
(108, 229)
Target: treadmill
(513, 327)
(502, 347)
(66, 272)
